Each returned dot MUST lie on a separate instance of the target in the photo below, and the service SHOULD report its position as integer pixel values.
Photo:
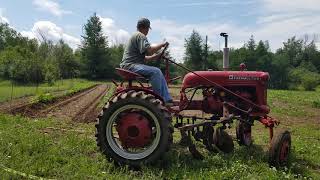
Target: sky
(171, 20)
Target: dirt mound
(9, 106)
(80, 107)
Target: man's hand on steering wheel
(165, 45)
(160, 54)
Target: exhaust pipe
(225, 52)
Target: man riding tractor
(135, 128)
(139, 51)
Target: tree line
(25, 60)
(296, 65)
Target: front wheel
(280, 149)
(134, 129)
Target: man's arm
(154, 48)
(152, 57)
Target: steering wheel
(164, 50)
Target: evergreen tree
(213, 60)
(95, 50)
(237, 56)
(293, 48)
(263, 56)
(251, 44)
(194, 52)
(250, 59)
(312, 55)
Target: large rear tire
(280, 147)
(155, 128)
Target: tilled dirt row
(81, 107)
(10, 106)
(25, 106)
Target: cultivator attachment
(214, 140)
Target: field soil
(14, 104)
(18, 103)
(80, 107)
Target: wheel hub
(134, 130)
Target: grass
(65, 150)
(28, 90)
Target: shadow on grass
(180, 155)
(253, 159)
(300, 166)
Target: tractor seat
(129, 75)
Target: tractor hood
(226, 78)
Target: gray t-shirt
(135, 51)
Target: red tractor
(135, 127)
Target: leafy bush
(44, 98)
(26, 60)
(303, 79)
(316, 104)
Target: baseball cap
(143, 22)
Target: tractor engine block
(212, 103)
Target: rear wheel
(243, 131)
(134, 129)
(280, 149)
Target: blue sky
(273, 20)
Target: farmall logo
(244, 78)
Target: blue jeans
(154, 74)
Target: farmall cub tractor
(135, 127)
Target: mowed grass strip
(294, 103)
(65, 150)
(21, 90)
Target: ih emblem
(249, 78)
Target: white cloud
(176, 33)
(50, 6)
(212, 3)
(277, 17)
(291, 5)
(281, 20)
(51, 32)
(279, 31)
(115, 34)
(29, 34)
(275, 31)
(3, 19)
(287, 18)
(54, 33)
